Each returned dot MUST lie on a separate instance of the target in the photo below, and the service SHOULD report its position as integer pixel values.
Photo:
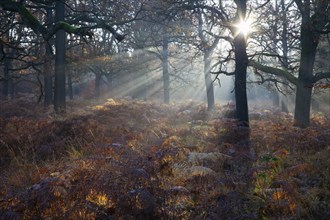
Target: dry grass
(140, 160)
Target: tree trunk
(304, 87)
(166, 76)
(97, 85)
(285, 50)
(59, 98)
(207, 50)
(311, 22)
(241, 61)
(11, 86)
(70, 89)
(208, 80)
(284, 105)
(110, 82)
(6, 71)
(315, 105)
(276, 99)
(6, 78)
(302, 107)
(48, 80)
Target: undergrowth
(126, 159)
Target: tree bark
(208, 80)
(6, 69)
(110, 81)
(241, 62)
(284, 105)
(6, 78)
(70, 89)
(311, 24)
(285, 51)
(304, 86)
(11, 86)
(60, 93)
(97, 85)
(166, 76)
(276, 99)
(48, 78)
(207, 50)
(309, 42)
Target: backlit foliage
(125, 159)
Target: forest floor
(128, 159)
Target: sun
(244, 27)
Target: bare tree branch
(321, 75)
(274, 71)
(261, 6)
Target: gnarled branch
(274, 71)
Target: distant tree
(163, 27)
(230, 18)
(81, 23)
(15, 59)
(159, 17)
(313, 23)
(274, 35)
(207, 46)
(166, 76)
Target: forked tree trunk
(311, 22)
(305, 77)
